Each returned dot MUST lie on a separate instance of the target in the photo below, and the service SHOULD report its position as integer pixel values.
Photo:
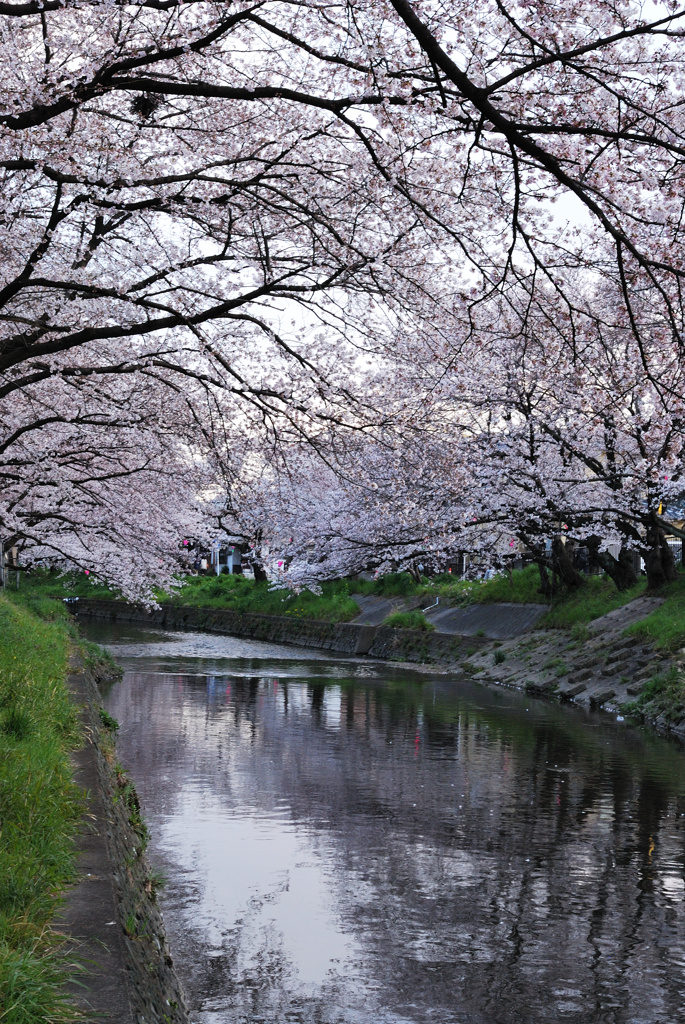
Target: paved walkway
(496, 621)
(89, 915)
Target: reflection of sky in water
(400, 849)
(169, 651)
(135, 642)
(266, 874)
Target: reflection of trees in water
(547, 879)
(316, 692)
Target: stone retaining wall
(345, 637)
(416, 645)
(342, 637)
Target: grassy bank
(239, 594)
(40, 809)
(663, 697)
(336, 602)
(666, 626)
(596, 597)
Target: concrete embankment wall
(111, 917)
(432, 648)
(341, 637)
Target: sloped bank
(111, 917)
(340, 637)
(601, 665)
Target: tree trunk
(668, 559)
(259, 574)
(545, 587)
(540, 558)
(415, 573)
(563, 566)
(619, 569)
(659, 561)
(626, 576)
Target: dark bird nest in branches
(145, 104)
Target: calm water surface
(350, 843)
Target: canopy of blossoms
(434, 248)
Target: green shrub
(109, 721)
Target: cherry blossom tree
(139, 246)
(246, 202)
(501, 440)
(102, 473)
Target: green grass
(394, 584)
(242, 595)
(44, 590)
(335, 603)
(666, 626)
(567, 610)
(409, 620)
(40, 585)
(596, 597)
(519, 587)
(554, 663)
(40, 808)
(662, 695)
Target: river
(347, 842)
